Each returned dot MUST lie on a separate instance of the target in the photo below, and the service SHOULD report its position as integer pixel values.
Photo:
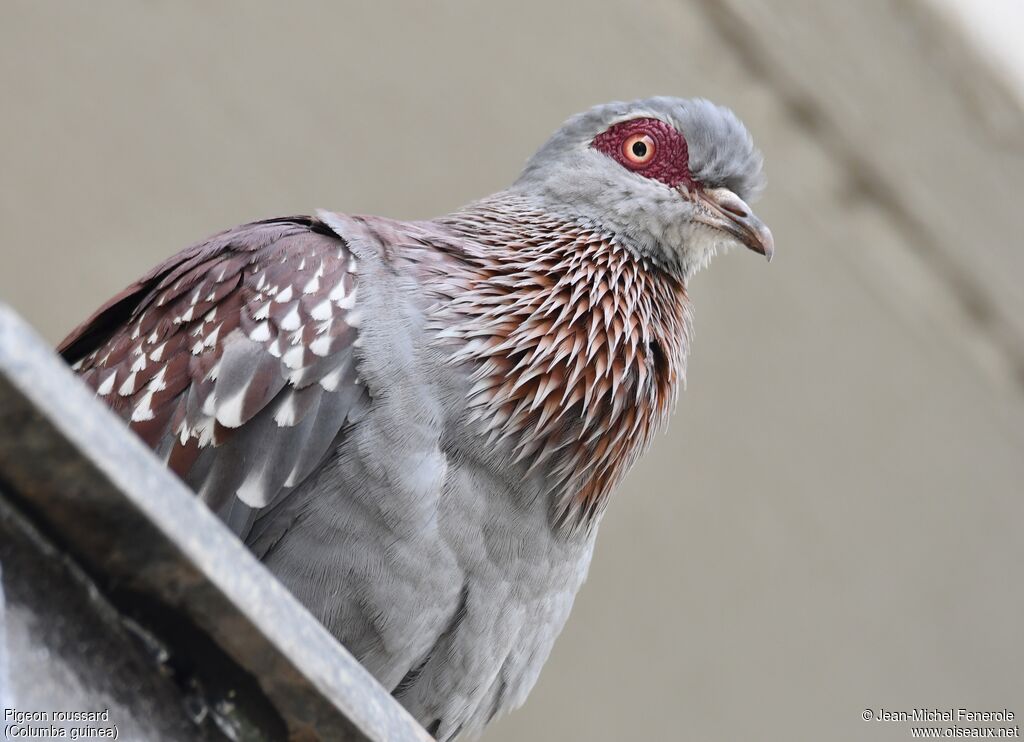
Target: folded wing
(234, 360)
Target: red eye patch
(649, 147)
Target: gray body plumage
(429, 557)
(417, 425)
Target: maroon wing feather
(234, 359)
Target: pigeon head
(670, 177)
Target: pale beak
(722, 209)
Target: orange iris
(638, 149)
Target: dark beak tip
(761, 241)
(731, 214)
(737, 218)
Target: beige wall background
(834, 521)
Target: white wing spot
(285, 295)
(205, 431)
(292, 321)
(108, 384)
(143, 410)
(156, 384)
(322, 311)
(293, 358)
(229, 414)
(261, 333)
(330, 381)
(321, 345)
(210, 405)
(286, 413)
(211, 339)
(253, 491)
(128, 387)
(338, 292)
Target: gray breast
(431, 561)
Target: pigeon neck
(576, 346)
(528, 208)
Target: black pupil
(639, 149)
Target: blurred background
(834, 521)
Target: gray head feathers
(722, 152)
(569, 177)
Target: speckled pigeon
(417, 425)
